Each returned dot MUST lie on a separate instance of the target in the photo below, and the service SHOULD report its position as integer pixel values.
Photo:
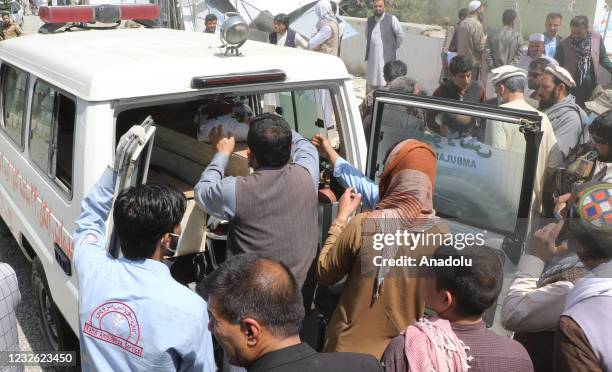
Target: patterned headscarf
(583, 56)
(406, 188)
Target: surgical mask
(592, 116)
(171, 250)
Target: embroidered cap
(504, 72)
(561, 74)
(595, 206)
(591, 213)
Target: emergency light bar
(56, 17)
(238, 79)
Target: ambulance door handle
(62, 259)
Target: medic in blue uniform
(133, 316)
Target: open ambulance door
(136, 157)
(486, 161)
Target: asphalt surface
(30, 337)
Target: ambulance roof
(106, 65)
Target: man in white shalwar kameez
(384, 36)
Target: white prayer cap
(502, 73)
(536, 37)
(474, 6)
(561, 74)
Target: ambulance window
(64, 137)
(14, 93)
(307, 111)
(52, 133)
(480, 162)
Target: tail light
(238, 79)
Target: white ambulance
(68, 95)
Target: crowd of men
(256, 302)
(255, 305)
(259, 302)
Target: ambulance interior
(181, 150)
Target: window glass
(479, 162)
(14, 93)
(52, 133)
(41, 124)
(307, 111)
(64, 137)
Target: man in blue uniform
(133, 315)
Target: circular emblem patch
(116, 323)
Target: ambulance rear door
(136, 157)
(486, 161)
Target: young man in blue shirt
(132, 314)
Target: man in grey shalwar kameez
(569, 121)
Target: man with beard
(568, 120)
(536, 69)
(582, 53)
(384, 36)
(534, 51)
(510, 82)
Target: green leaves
(415, 11)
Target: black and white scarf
(584, 60)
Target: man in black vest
(272, 212)
(384, 37)
(285, 36)
(256, 312)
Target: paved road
(30, 337)
(31, 24)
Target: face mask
(171, 250)
(592, 116)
